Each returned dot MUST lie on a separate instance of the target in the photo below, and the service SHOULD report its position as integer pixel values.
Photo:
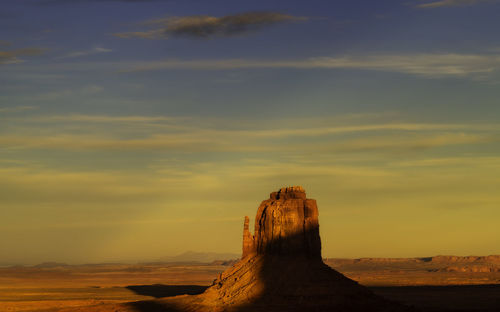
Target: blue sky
(130, 121)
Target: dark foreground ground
(463, 298)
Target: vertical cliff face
(281, 267)
(286, 224)
(281, 270)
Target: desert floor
(431, 284)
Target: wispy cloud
(412, 142)
(93, 51)
(104, 118)
(450, 3)
(308, 128)
(55, 2)
(203, 26)
(380, 170)
(181, 135)
(16, 109)
(12, 56)
(466, 161)
(426, 64)
(65, 93)
(5, 43)
(158, 184)
(480, 66)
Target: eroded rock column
(286, 224)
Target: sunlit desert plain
(442, 283)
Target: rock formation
(281, 268)
(286, 224)
(248, 240)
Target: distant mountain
(50, 265)
(206, 257)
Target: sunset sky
(134, 130)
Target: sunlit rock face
(281, 270)
(286, 224)
(281, 267)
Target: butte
(281, 269)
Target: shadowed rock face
(280, 270)
(281, 267)
(287, 224)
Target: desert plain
(440, 283)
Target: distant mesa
(468, 259)
(50, 265)
(204, 257)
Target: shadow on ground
(162, 291)
(153, 306)
(287, 277)
(452, 298)
(466, 298)
(281, 271)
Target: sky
(134, 130)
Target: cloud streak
(428, 65)
(432, 65)
(305, 130)
(204, 26)
(17, 109)
(181, 135)
(12, 56)
(93, 51)
(104, 118)
(450, 3)
(56, 2)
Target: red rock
(287, 224)
(281, 267)
(248, 240)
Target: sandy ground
(419, 271)
(42, 288)
(50, 288)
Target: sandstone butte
(281, 269)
